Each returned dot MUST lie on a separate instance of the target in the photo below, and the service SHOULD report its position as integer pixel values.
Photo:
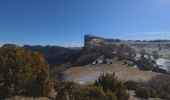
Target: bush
(142, 92)
(145, 93)
(107, 87)
(159, 70)
(122, 94)
(89, 93)
(110, 95)
(132, 85)
(22, 73)
(168, 96)
(109, 81)
(161, 84)
(72, 91)
(144, 64)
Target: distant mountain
(94, 47)
(54, 55)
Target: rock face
(94, 40)
(87, 39)
(97, 44)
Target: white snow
(138, 56)
(165, 63)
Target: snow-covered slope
(164, 63)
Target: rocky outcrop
(96, 46)
(162, 46)
(95, 40)
(91, 40)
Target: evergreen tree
(22, 72)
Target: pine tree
(22, 72)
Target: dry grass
(27, 98)
(88, 74)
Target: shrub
(162, 95)
(145, 92)
(161, 84)
(132, 85)
(110, 95)
(142, 92)
(109, 81)
(22, 73)
(159, 70)
(72, 91)
(65, 90)
(89, 93)
(107, 87)
(168, 96)
(122, 94)
(144, 64)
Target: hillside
(162, 46)
(61, 58)
(54, 55)
(82, 72)
(116, 65)
(87, 74)
(95, 46)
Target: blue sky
(65, 22)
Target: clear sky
(64, 22)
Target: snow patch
(164, 63)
